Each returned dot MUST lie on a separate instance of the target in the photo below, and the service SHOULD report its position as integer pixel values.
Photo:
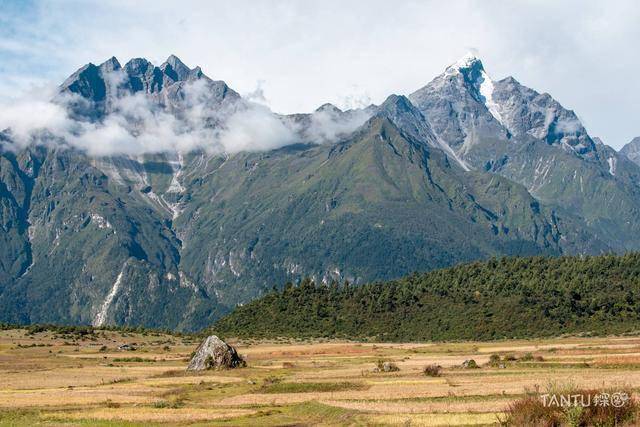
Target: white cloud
(327, 126)
(356, 98)
(26, 118)
(255, 128)
(257, 95)
(139, 124)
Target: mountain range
(168, 199)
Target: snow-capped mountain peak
(474, 74)
(469, 60)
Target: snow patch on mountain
(177, 167)
(465, 62)
(612, 165)
(101, 316)
(449, 152)
(486, 92)
(541, 173)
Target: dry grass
(429, 420)
(460, 406)
(45, 379)
(143, 414)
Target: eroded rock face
(214, 353)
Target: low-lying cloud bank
(143, 123)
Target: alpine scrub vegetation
(516, 297)
(571, 407)
(432, 370)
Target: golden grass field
(48, 379)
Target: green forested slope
(105, 241)
(510, 297)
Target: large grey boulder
(214, 353)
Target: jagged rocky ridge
(464, 168)
(99, 86)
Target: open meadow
(55, 378)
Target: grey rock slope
(458, 171)
(632, 150)
(506, 128)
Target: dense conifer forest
(515, 297)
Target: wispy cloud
(138, 124)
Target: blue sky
(302, 54)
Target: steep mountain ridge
(93, 91)
(537, 143)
